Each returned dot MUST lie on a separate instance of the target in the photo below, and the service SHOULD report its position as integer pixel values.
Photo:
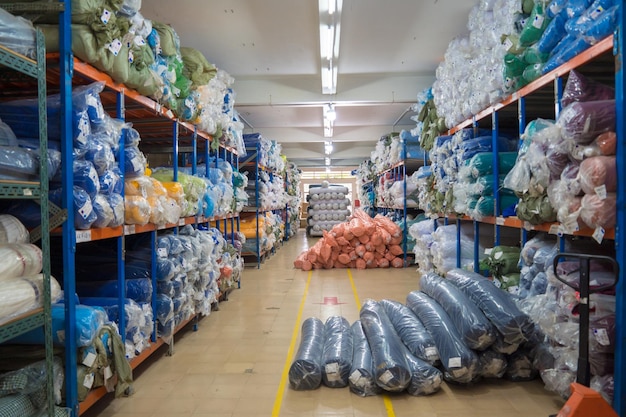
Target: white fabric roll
(19, 259)
(12, 230)
(20, 295)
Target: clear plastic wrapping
(12, 230)
(305, 372)
(17, 34)
(22, 294)
(496, 304)
(458, 360)
(388, 353)
(476, 330)
(362, 379)
(598, 174)
(582, 122)
(19, 259)
(491, 364)
(411, 330)
(425, 378)
(596, 211)
(337, 352)
(581, 88)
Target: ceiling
(388, 53)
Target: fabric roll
(496, 304)
(477, 331)
(425, 378)
(337, 353)
(412, 331)
(459, 362)
(362, 381)
(390, 364)
(305, 372)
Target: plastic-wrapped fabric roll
(89, 320)
(582, 122)
(496, 304)
(425, 378)
(459, 362)
(19, 259)
(491, 364)
(520, 367)
(477, 331)
(597, 211)
(16, 405)
(362, 381)
(411, 330)
(305, 372)
(12, 230)
(598, 171)
(337, 353)
(139, 289)
(388, 353)
(22, 294)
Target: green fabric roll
(196, 67)
(170, 43)
(535, 210)
(481, 164)
(535, 25)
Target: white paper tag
(514, 289)
(598, 234)
(137, 164)
(83, 236)
(431, 352)
(88, 381)
(86, 210)
(500, 221)
(162, 252)
(105, 16)
(356, 378)
(601, 191)
(554, 229)
(508, 44)
(332, 372)
(386, 377)
(115, 46)
(498, 255)
(488, 251)
(458, 372)
(136, 337)
(602, 336)
(131, 57)
(538, 21)
(555, 8)
(89, 359)
(107, 373)
(139, 40)
(454, 362)
(61, 336)
(129, 229)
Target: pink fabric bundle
(597, 171)
(597, 212)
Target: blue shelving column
(619, 401)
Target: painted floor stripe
(292, 346)
(386, 399)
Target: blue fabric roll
(362, 380)
(337, 352)
(305, 372)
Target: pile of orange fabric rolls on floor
(363, 242)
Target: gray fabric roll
(337, 353)
(305, 372)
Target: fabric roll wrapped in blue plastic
(337, 353)
(305, 372)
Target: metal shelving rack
(37, 191)
(610, 49)
(164, 131)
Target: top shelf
(589, 54)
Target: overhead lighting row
(330, 18)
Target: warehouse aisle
(235, 364)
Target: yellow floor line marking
(292, 346)
(386, 399)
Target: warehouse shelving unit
(51, 215)
(159, 129)
(541, 99)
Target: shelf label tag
(602, 336)
(500, 221)
(27, 191)
(181, 222)
(598, 234)
(555, 229)
(83, 236)
(129, 229)
(507, 44)
(596, 12)
(454, 362)
(601, 191)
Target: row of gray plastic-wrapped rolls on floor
(460, 329)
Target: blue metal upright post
(66, 73)
(121, 241)
(495, 128)
(619, 399)
(194, 151)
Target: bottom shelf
(97, 394)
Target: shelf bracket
(57, 218)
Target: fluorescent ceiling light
(328, 131)
(327, 161)
(330, 113)
(328, 147)
(329, 30)
(331, 6)
(327, 42)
